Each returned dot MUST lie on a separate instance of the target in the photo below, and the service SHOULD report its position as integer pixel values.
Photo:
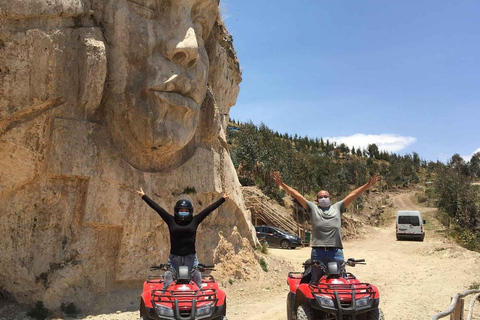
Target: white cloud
(468, 158)
(385, 142)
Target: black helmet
(183, 217)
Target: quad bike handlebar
(161, 266)
(351, 262)
(167, 266)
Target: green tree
(474, 165)
(456, 197)
(372, 150)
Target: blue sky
(403, 74)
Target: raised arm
(294, 193)
(355, 193)
(161, 212)
(205, 212)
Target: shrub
(39, 312)
(70, 309)
(263, 264)
(263, 246)
(474, 286)
(421, 198)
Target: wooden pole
(457, 314)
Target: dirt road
(416, 279)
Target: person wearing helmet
(182, 226)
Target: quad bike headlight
(324, 302)
(364, 302)
(204, 310)
(163, 311)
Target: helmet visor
(183, 214)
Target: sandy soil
(416, 279)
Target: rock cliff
(97, 99)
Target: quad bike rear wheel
(304, 312)
(285, 244)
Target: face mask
(324, 202)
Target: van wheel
(285, 244)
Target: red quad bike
(338, 294)
(182, 300)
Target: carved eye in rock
(144, 8)
(204, 14)
(201, 28)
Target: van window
(413, 220)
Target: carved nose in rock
(184, 52)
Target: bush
(70, 309)
(263, 246)
(421, 198)
(263, 264)
(468, 239)
(39, 312)
(474, 286)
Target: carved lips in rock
(178, 92)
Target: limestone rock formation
(97, 99)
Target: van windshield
(413, 220)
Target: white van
(410, 225)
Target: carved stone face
(157, 76)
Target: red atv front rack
(185, 302)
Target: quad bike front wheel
(290, 306)
(304, 312)
(376, 314)
(143, 311)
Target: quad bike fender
(293, 284)
(304, 291)
(301, 298)
(221, 298)
(147, 299)
(377, 292)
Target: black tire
(221, 318)
(285, 244)
(143, 311)
(304, 312)
(290, 306)
(375, 314)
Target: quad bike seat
(307, 273)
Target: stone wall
(98, 99)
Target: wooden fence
(456, 307)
